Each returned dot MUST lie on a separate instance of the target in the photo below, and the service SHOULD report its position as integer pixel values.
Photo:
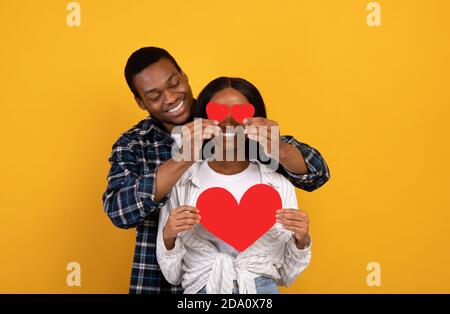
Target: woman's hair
(243, 86)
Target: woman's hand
(181, 219)
(296, 221)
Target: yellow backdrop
(374, 100)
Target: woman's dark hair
(243, 86)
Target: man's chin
(179, 120)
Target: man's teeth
(177, 107)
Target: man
(143, 172)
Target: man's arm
(167, 175)
(192, 136)
(130, 194)
(133, 193)
(300, 163)
(294, 157)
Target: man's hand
(288, 155)
(173, 169)
(296, 221)
(259, 129)
(181, 219)
(193, 135)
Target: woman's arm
(298, 245)
(169, 261)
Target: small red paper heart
(241, 112)
(239, 225)
(216, 111)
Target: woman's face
(231, 139)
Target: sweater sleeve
(170, 261)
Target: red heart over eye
(216, 111)
(241, 112)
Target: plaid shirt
(129, 199)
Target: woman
(202, 263)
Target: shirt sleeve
(130, 194)
(318, 172)
(295, 260)
(170, 261)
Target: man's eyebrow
(156, 89)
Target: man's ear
(140, 103)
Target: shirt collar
(267, 174)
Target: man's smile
(176, 109)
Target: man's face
(165, 93)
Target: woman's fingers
(185, 222)
(185, 208)
(183, 218)
(294, 223)
(185, 212)
(297, 230)
(184, 228)
(292, 214)
(185, 215)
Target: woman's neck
(228, 167)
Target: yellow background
(374, 100)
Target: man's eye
(154, 98)
(176, 83)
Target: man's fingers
(253, 121)
(209, 131)
(259, 121)
(210, 121)
(253, 133)
(203, 122)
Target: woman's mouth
(229, 134)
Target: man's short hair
(142, 58)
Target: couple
(148, 188)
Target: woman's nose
(228, 121)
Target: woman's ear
(140, 103)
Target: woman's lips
(232, 134)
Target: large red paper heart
(239, 225)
